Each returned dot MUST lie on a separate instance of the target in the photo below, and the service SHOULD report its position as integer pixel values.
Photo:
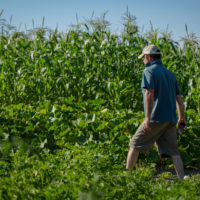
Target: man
(161, 96)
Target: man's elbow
(178, 97)
(149, 92)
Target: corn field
(75, 96)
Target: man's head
(150, 53)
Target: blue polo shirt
(165, 87)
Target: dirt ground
(189, 172)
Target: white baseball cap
(149, 50)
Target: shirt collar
(158, 62)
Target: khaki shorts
(163, 133)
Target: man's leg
(131, 158)
(167, 144)
(178, 165)
(144, 141)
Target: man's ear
(150, 58)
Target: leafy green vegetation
(69, 104)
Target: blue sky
(173, 14)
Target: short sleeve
(147, 80)
(177, 89)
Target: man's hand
(180, 121)
(146, 125)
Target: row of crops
(70, 102)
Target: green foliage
(87, 173)
(71, 102)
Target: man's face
(146, 59)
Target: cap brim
(141, 56)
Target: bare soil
(190, 171)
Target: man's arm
(180, 108)
(149, 101)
